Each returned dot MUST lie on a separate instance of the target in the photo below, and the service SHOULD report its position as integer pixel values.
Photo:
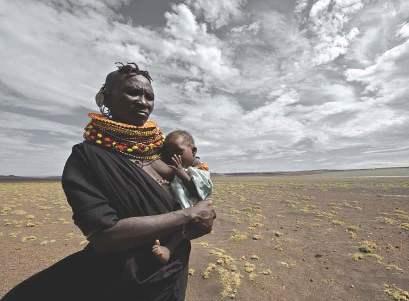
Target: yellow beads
(138, 142)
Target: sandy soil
(275, 238)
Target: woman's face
(131, 100)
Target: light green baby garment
(203, 184)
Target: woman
(122, 205)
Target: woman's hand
(202, 217)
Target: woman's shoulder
(81, 153)
(83, 158)
(85, 147)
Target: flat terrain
(338, 236)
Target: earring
(105, 111)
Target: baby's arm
(184, 175)
(163, 169)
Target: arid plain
(329, 236)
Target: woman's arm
(136, 231)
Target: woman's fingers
(202, 224)
(210, 204)
(157, 242)
(205, 213)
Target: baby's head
(181, 143)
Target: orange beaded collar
(142, 143)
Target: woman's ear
(107, 99)
(100, 97)
(194, 150)
(103, 98)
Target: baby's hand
(177, 161)
(177, 166)
(179, 169)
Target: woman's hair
(127, 70)
(132, 69)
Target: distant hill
(13, 178)
(369, 172)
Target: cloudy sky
(263, 85)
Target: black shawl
(103, 187)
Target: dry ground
(275, 238)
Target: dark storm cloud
(146, 12)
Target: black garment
(103, 187)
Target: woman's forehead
(137, 81)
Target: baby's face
(180, 147)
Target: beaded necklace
(139, 143)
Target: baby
(189, 179)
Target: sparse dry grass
(280, 238)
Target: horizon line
(238, 172)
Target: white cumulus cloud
(218, 13)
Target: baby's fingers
(175, 159)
